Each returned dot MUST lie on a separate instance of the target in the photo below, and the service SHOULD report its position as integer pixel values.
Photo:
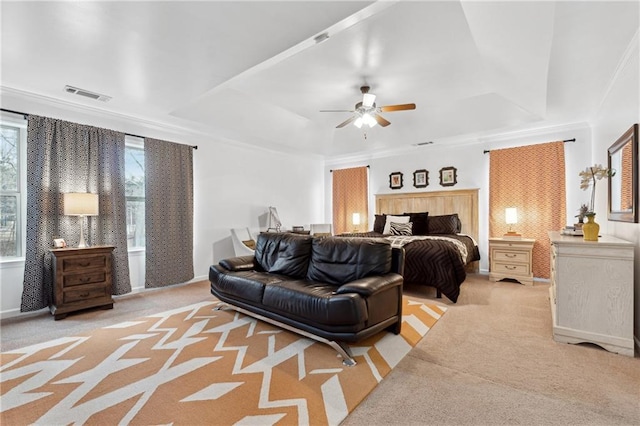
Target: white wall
(234, 185)
(472, 170)
(619, 111)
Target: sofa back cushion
(282, 253)
(339, 260)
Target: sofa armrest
(371, 285)
(240, 263)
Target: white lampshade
(511, 215)
(80, 204)
(358, 122)
(356, 218)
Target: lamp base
(512, 234)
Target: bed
(446, 248)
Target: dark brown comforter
(435, 263)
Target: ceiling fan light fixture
(358, 122)
(369, 120)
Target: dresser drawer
(71, 280)
(511, 268)
(83, 263)
(80, 293)
(510, 256)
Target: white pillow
(396, 219)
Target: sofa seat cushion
(284, 253)
(315, 302)
(246, 285)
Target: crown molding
(630, 52)
(459, 142)
(130, 123)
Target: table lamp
(511, 217)
(356, 221)
(81, 204)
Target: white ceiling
(251, 71)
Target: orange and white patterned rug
(197, 365)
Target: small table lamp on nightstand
(511, 217)
(81, 204)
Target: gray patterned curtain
(70, 157)
(168, 213)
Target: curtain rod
(486, 151)
(25, 115)
(331, 170)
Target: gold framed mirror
(623, 186)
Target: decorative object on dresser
(448, 176)
(81, 279)
(274, 220)
(511, 218)
(590, 176)
(395, 180)
(623, 187)
(511, 258)
(591, 292)
(421, 178)
(81, 204)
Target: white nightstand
(511, 258)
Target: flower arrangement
(582, 212)
(590, 176)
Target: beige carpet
(491, 361)
(197, 365)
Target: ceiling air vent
(87, 94)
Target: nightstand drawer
(511, 268)
(510, 256)
(85, 294)
(84, 278)
(83, 263)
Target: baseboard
(13, 313)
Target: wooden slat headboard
(462, 201)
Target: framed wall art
(421, 178)
(395, 180)
(448, 176)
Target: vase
(590, 229)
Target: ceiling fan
(366, 111)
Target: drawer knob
(84, 294)
(510, 255)
(511, 268)
(85, 264)
(85, 279)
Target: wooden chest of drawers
(511, 258)
(81, 279)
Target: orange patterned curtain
(626, 175)
(532, 179)
(350, 195)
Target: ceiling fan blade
(347, 121)
(401, 107)
(381, 120)
(337, 110)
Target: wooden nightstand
(81, 279)
(511, 258)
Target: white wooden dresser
(591, 291)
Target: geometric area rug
(195, 365)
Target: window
(134, 190)
(13, 146)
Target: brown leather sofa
(335, 290)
